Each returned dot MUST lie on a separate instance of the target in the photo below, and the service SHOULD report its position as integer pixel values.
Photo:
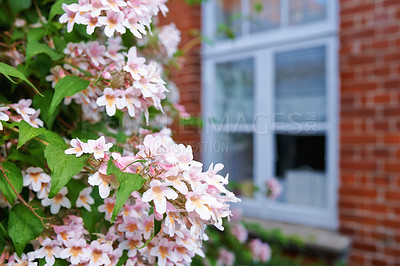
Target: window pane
(234, 92)
(300, 166)
(300, 85)
(228, 14)
(303, 11)
(235, 151)
(264, 15)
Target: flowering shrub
(86, 175)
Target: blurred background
(305, 92)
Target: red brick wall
(188, 79)
(369, 197)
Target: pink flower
(3, 116)
(98, 147)
(69, 16)
(34, 120)
(114, 4)
(130, 100)
(130, 227)
(131, 244)
(175, 179)
(198, 201)
(59, 200)
(50, 250)
(23, 108)
(96, 52)
(261, 251)
(98, 253)
(92, 24)
(35, 177)
(64, 233)
(101, 179)
(240, 232)
(107, 208)
(138, 8)
(44, 191)
(113, 22)
(226, 258)
(84, 199)
(274, 188)
(182, 111)
(131, 22)
(78, 148)
(158, 193)
(75, 250)
(111, 101)
(164, 251)
(170, 37)
(135, 64)
(97, 7)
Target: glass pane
(235, 151)
(300, 167)
(234, 92)
(303, 11)
(264, 15)
(228, 14)
(300, 85)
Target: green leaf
(35, 160)
(34, 48)
(35, 34)
(123, 258)
(9, 71)
(42, 103)
(14, 175)
(53, 138)
(63, 167)
(67, 86)
(23, 226)
(17, 6)
(56, 9)
(27, 132)
(128, 183)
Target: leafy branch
(42, 219)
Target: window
(270, 105)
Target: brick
(358, 192)
(358, 139)
(364, 246)
(392, 138)
(392, 167)
(393, 195)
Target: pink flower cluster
(113, 15)
(23, 111)
(184, 197)
(274, 188)
(134, 227)
(175, 182)
(261, 251)
(116, 83)
(170, 37)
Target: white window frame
(262, 47)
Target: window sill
(314, 238)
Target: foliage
(86, 169)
